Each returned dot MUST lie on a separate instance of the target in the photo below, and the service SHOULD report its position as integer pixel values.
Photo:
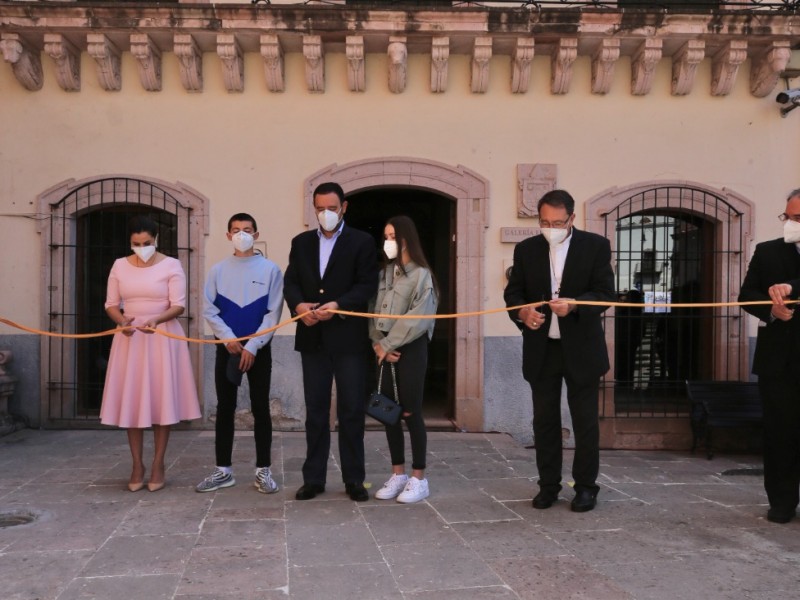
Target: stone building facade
(662, 122)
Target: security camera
(791, 95)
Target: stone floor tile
(368, 580)
(243, 534)
(277, 594)
(68, 526)
(141, 555)
(438, 565)
(156, 516)
(43, 492)
(393, 523)
(243, 502)
(338, 511)
(617, 546)
(508, 539)
(705, 527)
(495, 592)
(127, 587)
(71, 475)
(470, 507)
(240, 572)
(39, 575)
(559, 577)
(344, 544)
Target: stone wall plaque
(512, 235)
(534, 181)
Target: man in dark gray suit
(333, 267)
(774, 274)
(562, 341)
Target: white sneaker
(264, 482)
(392, 488)
(415, 490)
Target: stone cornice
(727, 38)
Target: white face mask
(145, 253)
(554, 236)
(791, 232)
(390, 249)
(242, 241)
(328, 219)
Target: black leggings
(410, 370)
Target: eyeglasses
(783, 217)
(553, 225)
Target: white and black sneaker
(217, 480)
(264, 482)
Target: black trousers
(780, 396)
(582, 397)
(258, 377)
(410, 371)
(319, 371)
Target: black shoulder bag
(382, 408)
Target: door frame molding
(470, 192)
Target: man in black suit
(333, 267)
(561, 264)
(774, 274)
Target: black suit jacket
(587, 276)
(351, 279)
(778, 341)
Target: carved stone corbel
(643, 66)
(684, 66)
(725, 67)
(230, 53)
(272, 51)
(148, 60)
(564, 55)
(398, 63)
(67, 59)
(767, 67)
(604, 61)
(315, 63)
(107, 58)
(481, 55)
(534, 181)
(356, 76)
(26, 63)
(440, 55)
(521, 65)
(190, 59)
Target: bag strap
(394, 380)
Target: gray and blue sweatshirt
(243, 295)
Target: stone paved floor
(668, 525)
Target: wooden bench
(722, 404)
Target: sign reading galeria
(512, 235)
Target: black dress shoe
(584, 501)
(356, 491)
(780, 516)
(308, 491)
(544, 499)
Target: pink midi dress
(149, 378)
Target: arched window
(672, 243)
(85, 232)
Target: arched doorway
(86, 231)
(434, 216)
(470, 194)
(676, 242)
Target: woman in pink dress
(149, 381)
